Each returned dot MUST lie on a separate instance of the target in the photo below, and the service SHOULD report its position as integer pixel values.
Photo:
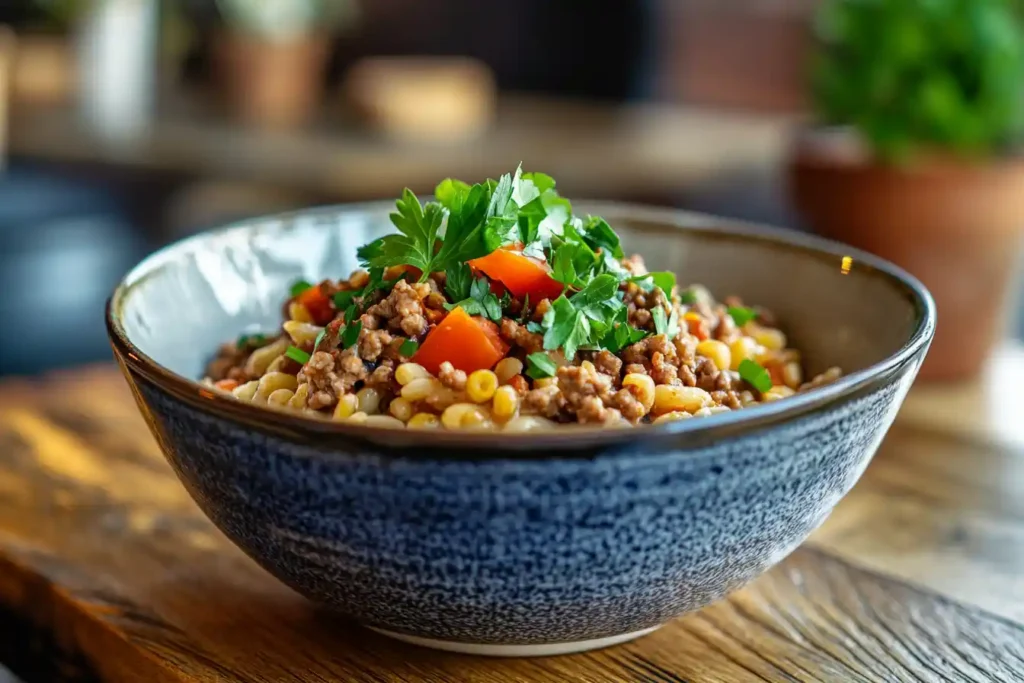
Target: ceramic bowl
(524, 544)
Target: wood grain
(108, 572)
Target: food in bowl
(495, 307)
(555, 541)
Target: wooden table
(109, 572)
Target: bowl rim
(486, 444)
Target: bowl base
(499, 650)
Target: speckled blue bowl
(520, 544)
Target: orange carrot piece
(522, 275)
(318, 304)
(467, 342)
(226, 384)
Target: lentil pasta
(495, 308)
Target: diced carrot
(522, 275)
(226, 384)
(467, 342)
(318, 304)
(696, 325)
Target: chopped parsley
(742, 315)
(247, 340)
(666, 325)
(350, 335)
(458, 280)
(481, 301)
(687, 297)
(343, 299)
(319, 338)
(408, 348)
(755, 375)
(297, 355)
(298, 287)
(539, 365)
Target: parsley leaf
(667, 325)
(664, 281)
(621, 335)
(253, 340)
(742, 315)
(481, 301)
(343, 298)
(408, 348)
(458, 279)
(688, 297)
(660, 320)
(755, 375)
(467, 235)
(542, 181)
(418, 226)
(599, 235)
(539, 365)
(319, 338)
(566, 327)
(298, 287)
(297, 355)
(351, 334)
(562, 268)
(597, 300)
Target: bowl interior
(179, 304)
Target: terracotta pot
(954, 224)
(271, 84)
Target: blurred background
(127, 124)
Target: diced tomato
(468, 342)
(522, 275)
(318, 304)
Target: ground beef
(662, 371)
(640, 304)
(710, 378)
(518, 335)
(627, 403)
(372, 343)
(332, 374)
(229, 362)
(403, 309)
(546, 401)
(450, 377)
(729, 399)
(382, 375)
(608, 363)
(725, 330)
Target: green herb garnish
(350, 335)
(599, 235)
(351, 313)
(247, 340)
(620, 336)
(539, 365)
(742, 315)
(664, 281)
(583, 320)
(319, 338)
(299, 287)
(343, 299)
(755, 375)
(667, 325)
(297, 355)
(408, 348)
(481, 301)
(687, 297)
(458, 280)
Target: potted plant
(925, 99)
(272, 56)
